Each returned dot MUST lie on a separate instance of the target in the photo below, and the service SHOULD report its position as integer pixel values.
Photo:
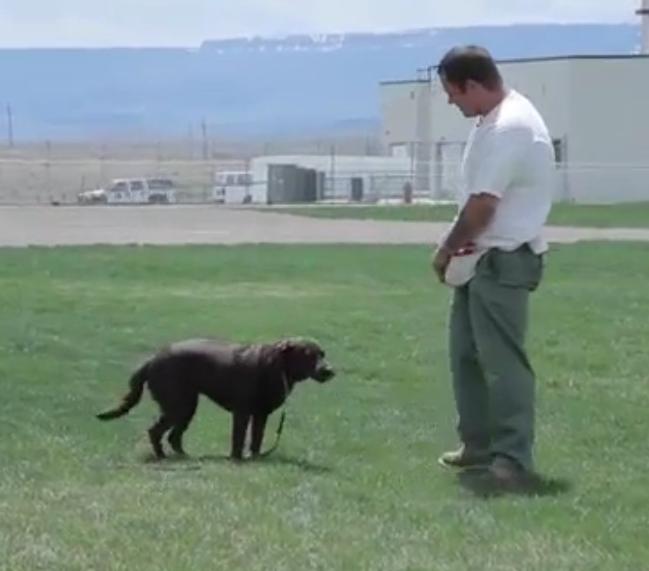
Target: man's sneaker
(465, 459)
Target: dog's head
(304, 359)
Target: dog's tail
(136, 384)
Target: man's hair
(463, 63)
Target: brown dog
(250, 381)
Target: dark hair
(463, 63)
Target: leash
(282, 418)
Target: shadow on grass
(175, 462)
(180, 463)
(482, 484)
(300, 463)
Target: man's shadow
(479, 483)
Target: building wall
(382, 176)
(400, 110)
(608, 149)
(544, 82)
(548, 85)
(407, 129)
(595, 109)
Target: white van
(236, 187)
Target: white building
(338, 177)
(596, 108)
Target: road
(210, 224)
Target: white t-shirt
(509, 154)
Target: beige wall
(608, 149)
(401, 110)
(596, 107)
(610, 111)
(544, 82)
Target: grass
(354, 484)
(630, 215)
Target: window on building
(558, 150)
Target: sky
(187, 23)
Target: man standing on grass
(495, 243)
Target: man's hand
(441, 260)
(471, 222)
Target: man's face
(466, 100)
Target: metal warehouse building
(596, 108)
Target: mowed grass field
(355, 483)
(631, 215)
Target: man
(505, 198)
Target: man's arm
(472, 221)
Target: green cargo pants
(493, 380)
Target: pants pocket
(521, 268)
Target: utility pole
(10, 127)
(332, 170)
(48, 169)
(204, 130)
(208, 174)
(190, 133)
(643, 12)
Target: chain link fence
(29, 181)
(60, 181)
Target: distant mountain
(290, 86)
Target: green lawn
(355, 484)
(630, 215)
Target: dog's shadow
(301, 463)
(180, 463)
(537, 486)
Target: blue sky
(62, 23)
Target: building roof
(534, 60)
(572, 57)
(404, 81)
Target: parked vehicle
(132, 191)
(233, 187)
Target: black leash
(280, 426)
